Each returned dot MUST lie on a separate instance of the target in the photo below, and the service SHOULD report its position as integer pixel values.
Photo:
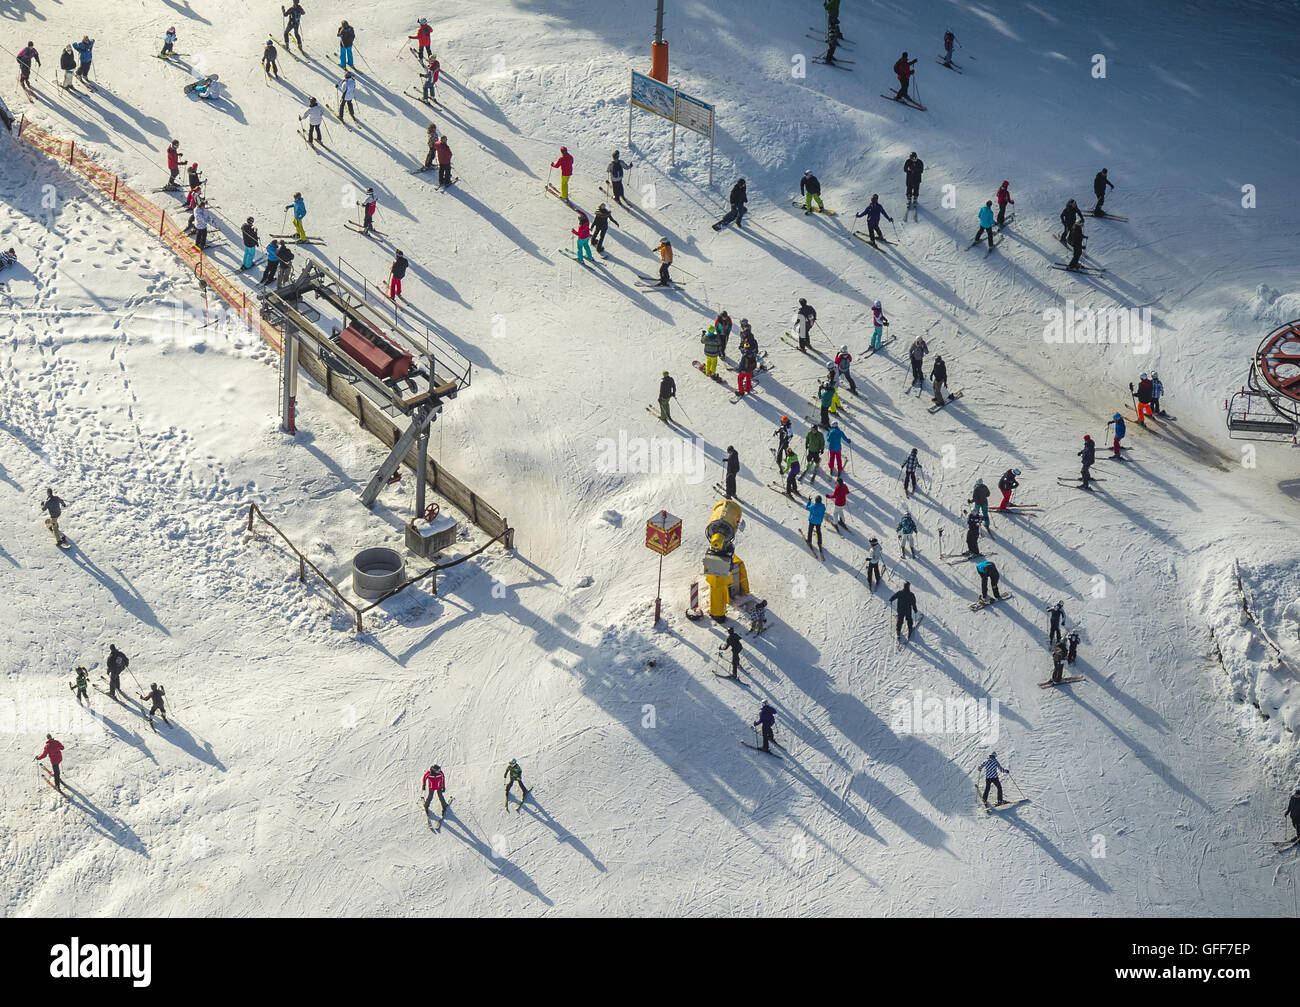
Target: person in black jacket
(979, 496)
(347, 35)
(1069, 215)
(739, 197)
(1099, 190)
(284, 255)
(1007, 483)
(599, 225)
(1056, 615)
(1076, 243)
(53, 506)
(912, 168)
(733, 642)
(766, 717)
(745, 372)
(939, 379)
(973, 521)
(116, 663)
(1293, 812)
(155, 697)
(1089, 456)
(906, 608)
(811, 190)
(251, 243)
(667, 391)
(395, 272)
(733, 466)
(68, 64)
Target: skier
(906, 529)
(397, 272)
(1099, 190)
(169, 43)
(1004, 200)
(805, 317)
(514, 774)
(1069, 215)
(435, 783)
(1157, 390)
(1007, 483)
(1120, 430)
(174, 156)
(767, 718)
(733, 467)
(733, 643)
(269, 56)
(444, 161)
(939, 379)
(840, 498)
(53, 506)
(873, 564)
(10, 257)
(25, 57)
(116, 663)
(665, 252)
(424, 38)
(347, 35)
(745, 372)
(667, 392)
(816, 515)
(272, 262)
(1089, 455)
(811, 190)
(294, 15)
(565, 163)
(368, 207)
(346, 88)
(615, 174)
(906, 602)
(314, 114)
(1292, 811)
(917, 354)
(583, 233)
(748, 341)
(1143, 399)
(68, 64)
(429, 81)
(600, 224)
(85, 52)
(873, 212)
(878, 322)
(782, 435)
(201, 214)
(53, 750)
(1076, 241)
(833, 35)
(738, 198)
(814, 443)
(284, 256)
(991, 767)
(988, 572)
(835, 441)
(1056, 614)
(155, 697)
(826, 399)
(1059, 654)
(192, 204)
(712, 347)
(80, 685)
(912, 169)
(1072, 643)
(791, 470)
(973, 533)
(843, 360)
(299, 208)
(431, 138)
(949, 40)
(249, 235)
(986, 224)
(980, 498)
(192, 176)
(911, 464)
(903, 69)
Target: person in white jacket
(346, 88)
(873, 564)
(201, 224)
(314, 114)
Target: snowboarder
(738, 198)
(916, 353)
(1004, 200)
(116, 663)
(1077, 239)
(843, 360)
(583, 233)
(911, 465)
(80, 685)
(565, 163)
(1056, 614)
(617, 166)
(906, 608)
(1292, 811)
(368, 207)
(733, 643)
(840, 498)
(835, 441)
(53, 506)
(939, 379)
(1157, 390)
(665, 252)
(272, 262)
(733, 468)
(1059, 654)
(986, 224)
(155, 697)
(1117, 421)
(600, 224)
(912, 170)
(988, 572)
(1143, 399)
(435, 783)
(667, 392)
(514, 774)
(1088, 453)
(397, 272)
(949, 40)
(767, 719)
(1072, 642)
(346, 88)
(444, 161)
(294, 15)
(347, 35)
(299, 208)
(85, 52)
(1069, 216)
(814, 443)
(1007, 483)
(873, 564)
(878, 322)
(991, 768)
(811, 190)
(791, 469)
(424, 38)
(804, 319)
(249, 235)
(1099, 184)
(53, 751)
(68, 64)
(270, 54)
(782, 435)
(816, 515)
(973, 533)
(873, 212)
(906, 529)
(904, 68)
(314, 114)
(980, 498)
(169, 43)
(174, 156)
(712, 347)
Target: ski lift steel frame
(1274, 379)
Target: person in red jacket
(840, 498)
(434, 783)
(583, 233)
(903, 69)
(424, 36)
(443, 150)
(54, 752)
(565, 164)
(174, 156)
(1004, 198)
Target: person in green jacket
(514, 774)
(79, 687)
(814, 443)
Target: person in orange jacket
(665, 250)
(565, 164)
(583, 234)
(54, 752)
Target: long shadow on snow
(499, 866)
(104, 823)
(125, 593)
(1079, 869)
(562, 835)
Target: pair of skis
(986, 602)
(908, 101)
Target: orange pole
(659, 61)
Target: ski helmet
(513, 762)
(807, 172)
(564, 150)
(834, 426)
(979, 482)
(195, 164)
(602, 207)
(297, 195)
(665, 374)
(988, 202)
(1005, 183)
(1155, 376)
(876, 305)
(663, 240)
(1087, 437)
(785, 419)
(249, 220)
(1143, 376)
(874, 197)
(913, 154)
(1015, 472)
(172, 28)
(435, 768)
(369, 188)
(803, 302)
(844, 348)
(1115, 417)
(744, 322)
(424, 20)
(913, 450)
(615, 152)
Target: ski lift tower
(1268, 405)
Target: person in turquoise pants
(583, 233)
(878, 320)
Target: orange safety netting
(155, 219)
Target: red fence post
(161, 220)
(72, 146)
(115, 180)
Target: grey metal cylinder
(377, 571)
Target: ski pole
(1017, 785)
(400, 48)
(683, 409)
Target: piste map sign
(669, 103)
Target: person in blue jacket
(84, 48)
(272, 262)
(816, 513)
(986, 223)
(873, 213)
(299, 209)
(988, 572)
(835, 441)
(1120, 430)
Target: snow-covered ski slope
(290, 784)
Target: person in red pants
(395, 272)
(1006, 484)
(745, 373)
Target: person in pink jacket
(434, 783)
(1004, 200)
(583, 233)
(54, 752)
(565, 164)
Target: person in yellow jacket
(665, 251)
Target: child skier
(583, 234)
(906, 529)
(878, 322)
(840, 498)
(514, 774)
